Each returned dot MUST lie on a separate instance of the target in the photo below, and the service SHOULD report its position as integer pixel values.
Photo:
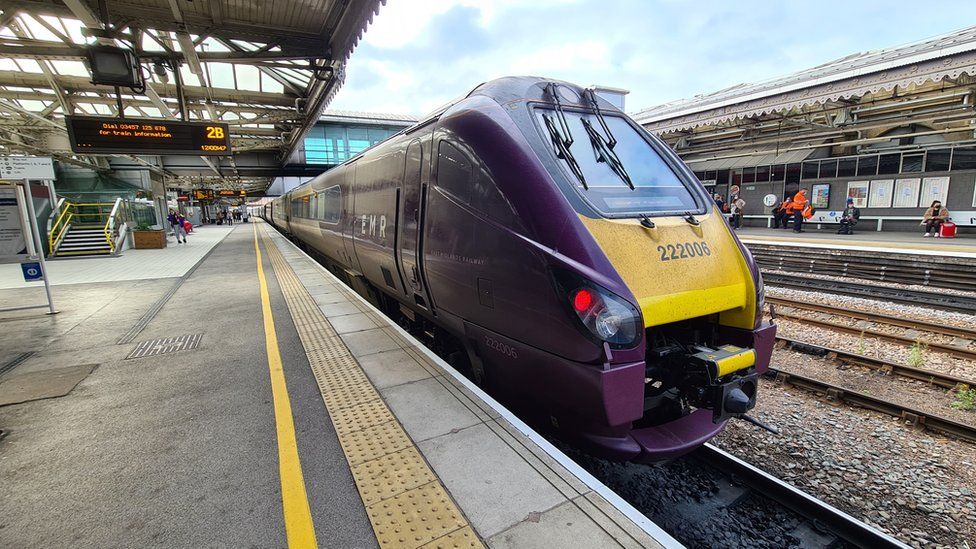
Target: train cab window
(454, 172)
(657, 188)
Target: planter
(148, 240)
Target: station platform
(252, 400)
(874, 241)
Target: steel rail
(933, 377)
(953, 350)
(924, 298)
(914, 324)
(836, 521)
(915, 416)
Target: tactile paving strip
(406, 503)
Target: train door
(409, 226)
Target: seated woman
(933, 218)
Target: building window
(762, 174)
(867, 165)
(778, 173)
(792, 173)
(811, 169)
(964, 158)
(889, 163)
(748, 175)
(911, 163)
(828, 168)
(846, 167)
(937, 160)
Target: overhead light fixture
(114, 66)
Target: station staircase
(77, 229)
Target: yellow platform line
(406, 504)
(294, 501)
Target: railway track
(824, 517)
(953, 350)
(914, 416)
(933, 377)
(924, 270)
(924, 298)
(891, 320)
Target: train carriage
(558, 253)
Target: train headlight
(604, 315)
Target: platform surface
(890, 241)
(180, 443)
(172, 261)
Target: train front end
(681, 313)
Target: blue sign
(32, 271)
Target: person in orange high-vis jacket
(800, 203)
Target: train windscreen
(630, 178)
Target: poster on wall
(906, 193)
(858, 190)
(13, 230)
(821, 196)
(880, 196)
(934, 188)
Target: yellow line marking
(405, 502)
(294, 500)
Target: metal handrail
(57, 230)
(110, 224)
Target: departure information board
(96, 135)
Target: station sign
(32, 271)
(203, 194)
(97, 135)
(26, 167)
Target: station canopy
(902, 97)
(266, 69)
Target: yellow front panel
(673, 289)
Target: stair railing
(58, 223)
(110, 224)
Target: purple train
(561, 256)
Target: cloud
(418, 54)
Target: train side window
(454, 171)
(469, 181)
(330, 205)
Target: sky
(420, 54)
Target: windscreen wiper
(604, 148)
(562, 140)
(605, 154)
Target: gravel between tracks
(908, 392)
(948, 318)
(916, 486)
(874, 347)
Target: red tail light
(583, 300)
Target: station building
(894, 128)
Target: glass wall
(336, 143)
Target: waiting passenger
(849, 217)
(719, 202)
(799, 209)
(933, 219)
(737, 205)
(779, 213)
